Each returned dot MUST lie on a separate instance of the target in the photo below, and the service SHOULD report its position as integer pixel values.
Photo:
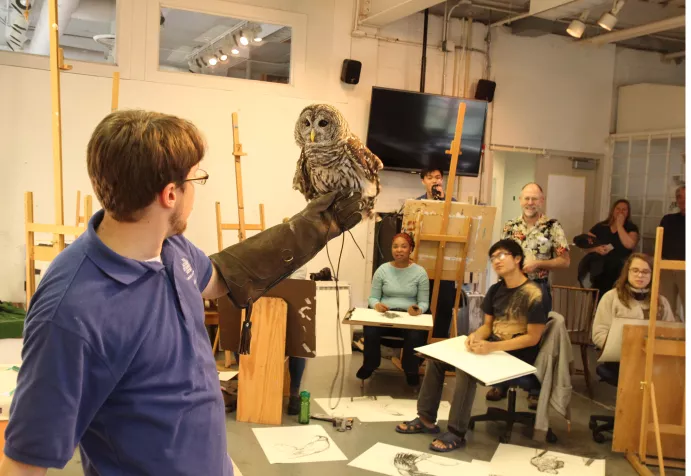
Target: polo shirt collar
(122, 269)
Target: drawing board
(402, 320)
(431, 215)
(378, 409)
(489, 369)
(395, 461)
(513, 459)
(298, 444)
(612, 350)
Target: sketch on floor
(298, 444)
(396, 461)
(512, 459)
(381, 409)
(547, 464)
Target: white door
(566, 203)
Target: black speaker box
(350, 72)
(485, 90)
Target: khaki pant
(672, 285)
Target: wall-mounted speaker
(485, 90)
(350, 72)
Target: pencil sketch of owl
(333, 158)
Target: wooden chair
(577, 305)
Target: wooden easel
(241, 226)
(57, 229)
(657, 346)
(443, 237)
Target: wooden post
(78, 219)
(30, 265)
(650, 347)
(116, 92)
(238, 153)
(455, 152)
(56, 64)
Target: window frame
(296, 21)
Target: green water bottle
(304, 416)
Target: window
(200, 43)
(647, 171)
(87, 28)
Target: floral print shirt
(546, 240)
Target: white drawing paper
(512, 459)
(402, 319)
(612, 350)
(8, 384)
(228, 375)
(298, 444)
(489, 369)
(396, 461)
(379, 409)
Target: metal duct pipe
(16, 24)
(423, 67)
(40, 42)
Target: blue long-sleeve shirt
(400, 288)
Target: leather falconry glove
(252, 267)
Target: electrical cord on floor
(340, 347)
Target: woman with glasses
(618, 237)
(630, 299)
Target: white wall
(522, 67)
(519, 169)
(552, 93)
(650, 107)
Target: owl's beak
(312, 135)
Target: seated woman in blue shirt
(398, 286)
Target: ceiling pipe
(637, 31)
(530, 14)
(40, 42)
(423, 67)
(674, 56)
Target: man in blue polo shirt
(116, 359)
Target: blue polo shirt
(116, 359)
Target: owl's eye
(323, 123)
(307, 122)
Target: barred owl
(333, 158)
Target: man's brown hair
(132, 155)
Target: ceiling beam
(637, 31)
(382, 12)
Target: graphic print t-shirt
(513, 309)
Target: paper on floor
(381, 409)
(395, 461)
(512, 459)
(228, 375)
(298, 444)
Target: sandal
(451, 442)
(416, 426)
(495, 394)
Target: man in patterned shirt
(542, 239)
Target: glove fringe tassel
(246, 333)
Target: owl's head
(320, 124)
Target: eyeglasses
(499, 256)
(200, 176)
(641, 272)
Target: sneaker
(364, 373)
(293, 405)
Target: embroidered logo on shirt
(187, 268)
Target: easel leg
(656, 425)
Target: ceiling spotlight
(222, 56)
(577, 27)
(213, 61)
(243, 39)
(257, 39)
(235, 51)
(609, 19)
(199, 63)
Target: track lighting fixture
(235, 51)
(222, 56)
(577, 27)
(609, 19)
(213, 61)
(243, 39)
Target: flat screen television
(409, 131)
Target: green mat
(11, 321)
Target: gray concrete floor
(250, 459)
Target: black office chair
(599, 424)
(510, 416)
